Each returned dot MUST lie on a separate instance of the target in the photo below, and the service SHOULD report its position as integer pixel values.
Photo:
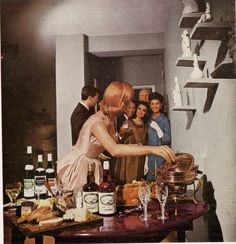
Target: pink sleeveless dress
(72, 169)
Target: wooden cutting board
(32, 230)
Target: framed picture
(138, 88)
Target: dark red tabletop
(132, 229)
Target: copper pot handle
(198, 186)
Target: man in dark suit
(129, 113)
(83, 110)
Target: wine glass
(13, 190)
(144, 194)
(162, 195)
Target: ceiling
(106, 17)
(91, 17)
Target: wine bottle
(40, 178)
(90, 191)
(29, 175)
(107, 193)
(50, 175)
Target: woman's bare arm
(99, 130)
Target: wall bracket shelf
(224, 71)
(188, 62)
(201, 83)
(211, 30)
(211, 86)
(190, 112)
(189, 20)
(185, 108)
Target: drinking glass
(144, 194)
(162, 195)
(13, 190)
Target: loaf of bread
(48, 216)
(52, 222)
(127, 194)
(37, 213)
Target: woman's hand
(165, 152)
(124, 130)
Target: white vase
(196, 73)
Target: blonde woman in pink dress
(98, 134)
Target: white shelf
(211, 30)
(188, 62)
(202, 83)
(189, 20)
(184, 108)
(224, 71)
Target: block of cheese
(53, 222)
(80, 214)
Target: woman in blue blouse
(159, 133)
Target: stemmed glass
(162, 195)
(144, 194)
(13, 190)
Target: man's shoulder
(121, 118)
(80, 107)
(80, 110)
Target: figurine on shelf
(190, 6)
(177, 94)
(202, 19)
(206, 17)
(186, 44)
(208, 12)
(196, 73)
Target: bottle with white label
(90, 191)
(40, 178)
(29, 175)
(107, 193)
(51, 176)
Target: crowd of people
(134, 135)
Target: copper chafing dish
(179, 174)
(180, 177)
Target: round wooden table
(132, 229)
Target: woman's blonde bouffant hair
(115, 96)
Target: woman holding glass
(98, 134)
(133, 131)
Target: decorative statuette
(177, 94)
(196, 73)
(190, 6)
(206, 17)
(186, 44)
(208, 12)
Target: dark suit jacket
(78, 118)
(120, 120)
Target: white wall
(143, 70)
(70, 76)
(211, 137)
(126, 42)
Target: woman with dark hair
(159, 133)
(133, 131)
(97, 135)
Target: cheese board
(32, 230)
